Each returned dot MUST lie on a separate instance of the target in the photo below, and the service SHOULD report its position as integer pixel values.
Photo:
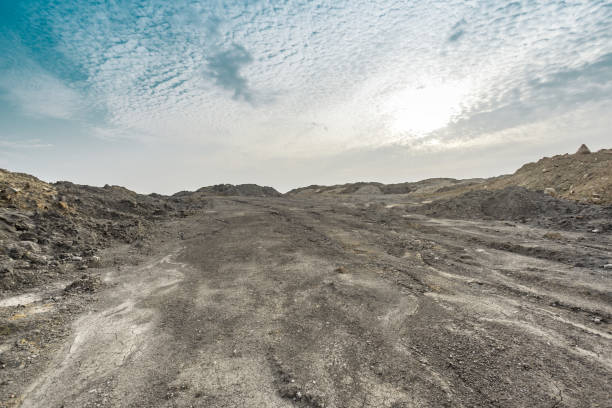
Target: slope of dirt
(580, 177)
(520, 204)
(53, 231)
(583, 176)
(25, 192)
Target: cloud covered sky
(168, 95)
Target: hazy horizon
(163, 97)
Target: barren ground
(321, 302)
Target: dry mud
(331, 302)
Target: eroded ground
(322, 303)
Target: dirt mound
(110, 202)
(25, 192)
(226, 190)
(584, 176)
(349, 188)
(247, 190)
(420, 187)
(581, 177)
(583, 149)
(368, 189)
(46, 229)
(521, 204)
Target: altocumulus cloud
(371, 73)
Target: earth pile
(520, 204)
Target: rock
(16, 252)
(608, 266)
(5, 269)
(23, 225)
(583, 150)
(553, 235)
(36, 258)
(29, 246)
(340, 269)
(28, 236)
(85, 284)
(550, 191)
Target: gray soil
(520, 204)
(321, 302)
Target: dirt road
(286, 302)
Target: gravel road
(280, 302)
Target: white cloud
(41, 95)
(24, 144)
(396, 69)
(449, 74)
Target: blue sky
(164, 96)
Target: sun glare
(416, 112)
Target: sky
(162, 96)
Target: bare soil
(585, 178)
(321, 301)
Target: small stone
(608, 266)
(5, 268)
(553, 235)
(340, 269)
(15, 252)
